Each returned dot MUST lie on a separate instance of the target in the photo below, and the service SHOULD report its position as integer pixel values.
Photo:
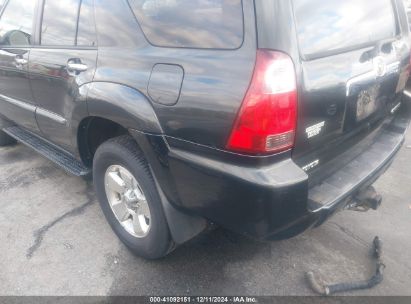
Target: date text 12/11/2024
(203, 300)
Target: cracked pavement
(55, 241)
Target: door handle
(20, 61)
(78, 67)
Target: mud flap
(182, 227)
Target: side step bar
(49, 151)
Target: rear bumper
(271, 198)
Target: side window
(59, 22)
(16, 23)
(191, 23)
(86, 33)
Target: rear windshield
(191, 23)
(327, 26)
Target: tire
(6, 140)
(123, 152)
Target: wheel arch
(124, 105)
(112, 110)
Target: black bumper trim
(266, 201)
(367, 165)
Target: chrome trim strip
(360, 78)
(18, 103)
(53, 116)
(392, 68)
(407, 93)
(394, 109)
(31, 108)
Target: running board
(49, 151)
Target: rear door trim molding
(21, 104)
(53, 116)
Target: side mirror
(17, 38)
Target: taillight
(266, 122)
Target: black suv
(264, 117)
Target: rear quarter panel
(215, 81)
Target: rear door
(354, 60)
(16, 32)
(64, 60)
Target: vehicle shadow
(197, 267)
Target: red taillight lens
(266, 122)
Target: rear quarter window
(332, 25)
(191, 23)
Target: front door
(64, 60)
(16, 29)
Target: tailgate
(354, 65)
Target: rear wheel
(6, 140)
(129, 198)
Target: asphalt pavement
(54, 240)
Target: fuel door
(165, 84)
